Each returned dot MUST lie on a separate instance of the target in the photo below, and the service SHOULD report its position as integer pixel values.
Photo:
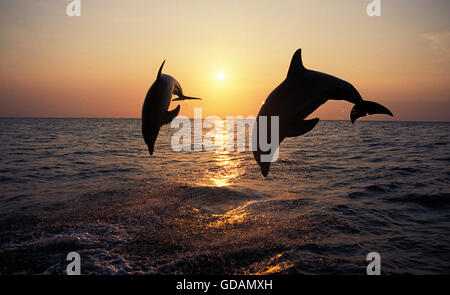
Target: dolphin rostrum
(302, 92)
(156, 104)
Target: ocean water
(334, 195)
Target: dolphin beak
(185, 98)
(365, 107)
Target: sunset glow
(101, 64)
(225, 146)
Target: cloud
(439, 41)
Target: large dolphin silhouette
(156, 104)
(302, 92)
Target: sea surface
(334, 195)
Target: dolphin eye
(177, 90)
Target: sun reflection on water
(233, 216)
(227, 169)
(274, 265)
(226, 165)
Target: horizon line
(137, 118)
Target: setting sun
(220, 76)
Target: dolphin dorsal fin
(160, 69)
(296, 64)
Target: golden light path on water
(225, 168)
(226, 165)
(228, 170)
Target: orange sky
(102, 63)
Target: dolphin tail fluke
(151, 148)
(365, 107)
(301, 127)
(170, 115)
(265, 166)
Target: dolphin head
(177, 90)
(357, 112)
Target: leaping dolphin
(156, 104)
(302, 92)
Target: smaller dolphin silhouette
(156, 104)
(301, 93)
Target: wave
(427, 200)
(325, 204)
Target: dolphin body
(156, 104)
(302, 92)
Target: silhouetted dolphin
(302, 92)
(155, 109)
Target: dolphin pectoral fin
(170, 115)
(368, 108)
(301, 127)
